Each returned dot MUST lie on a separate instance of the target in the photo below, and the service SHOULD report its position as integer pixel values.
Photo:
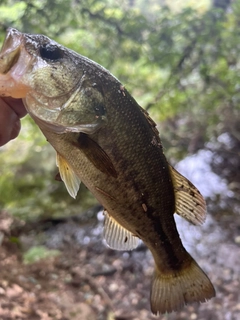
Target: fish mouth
(10, 51)
(14, 62)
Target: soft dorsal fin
(68, 176)
(116, 236)
(189, 201)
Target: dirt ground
(89, 281)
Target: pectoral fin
(189, 201)
(68, 176)
(116, 236)
(96, 155)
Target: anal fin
(190, 204)
(68, 176)
(116, 236)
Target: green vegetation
(182, 65)
(38, 253)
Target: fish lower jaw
(9, 88)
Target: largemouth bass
(106, 140)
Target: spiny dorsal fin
(96, 155)
(116, 236)
(68, 176)
(189, 201)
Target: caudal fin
(172, 291)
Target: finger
(9, 123)
(16, 105)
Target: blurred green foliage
(38, 253)
(182, 65)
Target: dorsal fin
(189, 201)
(116, 236)
(68, 176)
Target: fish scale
(105, 139)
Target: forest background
(179, 59)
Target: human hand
(11, 111)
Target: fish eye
(51, 52)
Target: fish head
(53, 82)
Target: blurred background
(181, 61)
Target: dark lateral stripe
(165, 237)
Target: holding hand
(11, 111)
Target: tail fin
(172, 291)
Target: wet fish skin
(105, 139)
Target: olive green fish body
(139, 195)
(105, 139)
